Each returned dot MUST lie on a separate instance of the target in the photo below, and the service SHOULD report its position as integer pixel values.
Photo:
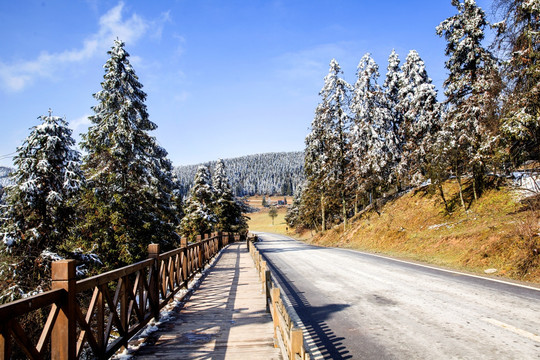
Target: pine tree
(38, 214)
(293, 215)
(471, 93)
(326, 162)
(335, 104)
(519, 39)
(374, 149)
(199, 216)
(417, 102)
(315, 156)
(226, 207)
(128, 200)
(392, 87)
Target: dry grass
(496, 232)
(261, 221)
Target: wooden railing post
(267, 280)
(5, 348)
(64, 332)
(200, 247)
(275, 299)
(153, 253)
(297, 341)
(220, 240)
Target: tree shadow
(201, 328)
(314, 319)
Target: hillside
(270, 173)
(498, 234)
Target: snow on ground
(527, 183)
(166, 315)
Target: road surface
(355, 305)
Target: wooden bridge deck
(225, 318)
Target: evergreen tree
(417, 102)
(335, 104)
(316, 149)
(199, 216)
(519, 39)
(226, 207)
(392, 88)
(128, 201)
(293, 215)
(374, 149)
(326, 161)
(471, 93)
(38, 214)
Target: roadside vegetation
(498, 234)
(375, 140)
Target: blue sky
(223, 78)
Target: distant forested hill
(270, 174)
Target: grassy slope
(497, 232)
(261, 221)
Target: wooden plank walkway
(225, 318)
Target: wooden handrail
(287, 335)
(101, 313)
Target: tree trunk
(323, 225)
(356, 204)
(474, 187)
(344, 204)
(460, 190)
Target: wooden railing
(287, 335)
(99, 315)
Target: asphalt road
(355, 305)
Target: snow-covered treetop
(467, 60)
(393, 78)
(366, 88)
(334, 91)
(220, 180)
(46, 163)
(120, 114)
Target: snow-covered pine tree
(316, 151)
(374, 149)
(293, 217)
(391, 87)
(417, 102)
(227, 208)
(471, 90)
(199, 216)
(326, 162)
(519, 39)
(127, 202)
(335, 103)
(38, 214)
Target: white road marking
(442, 269)
(513, 329)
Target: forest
(260, 174)
(105, 206)
(370, 141)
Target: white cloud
(311, 63)
(16, 76)
(80, 122)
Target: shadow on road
(314, 318)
